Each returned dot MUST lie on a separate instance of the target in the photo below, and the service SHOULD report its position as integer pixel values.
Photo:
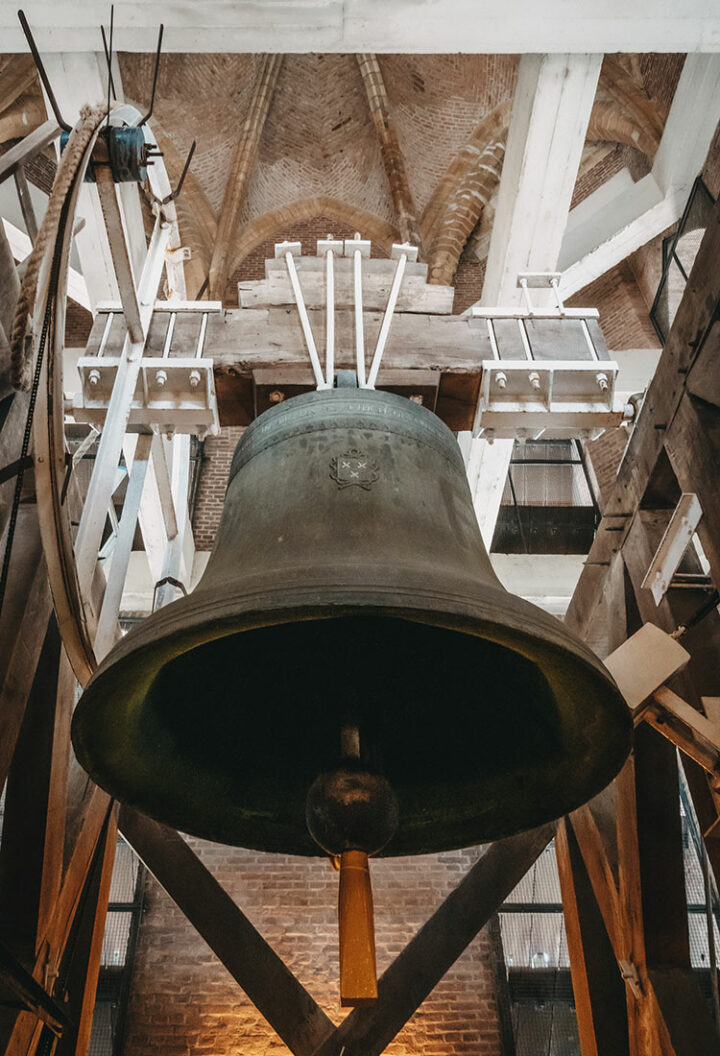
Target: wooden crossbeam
(29, 992)
(31, 852)
(266, 980)
(599, 992)
(428, 956)
(693, 335)
(84, 968)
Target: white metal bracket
(673, 545)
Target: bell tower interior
(359, 529)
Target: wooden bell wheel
(88, 625)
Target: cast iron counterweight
(349, 676)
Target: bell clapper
(356, 931)
(352, 813)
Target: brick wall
(604, 456)
(183, 1001)
(623, 312)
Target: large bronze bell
(350, 635)
(349, 581)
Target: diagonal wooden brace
(267, 981)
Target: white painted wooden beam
(551, 109)
(357, 26)
(620, 217)
(21, 245)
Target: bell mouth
(482, 730)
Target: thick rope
(21, 342)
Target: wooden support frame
(277, 994)
(629, 837)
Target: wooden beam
(427, 957)
(267, 981)
(28, 147)
(25, 618)
(693, 325)
(604, 229)
(15, 978)
(551, 110)
(31, 852)
(398, 26)
(89, 928)
(241, 171)
(597, 985)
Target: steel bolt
(602, 382)
(94, 378)
(276, 396)
(501, 379)
(194, 379)
(534, 380)
(161, 378)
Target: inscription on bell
(354, 467)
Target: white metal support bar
(401, 253)
(675, 541)
(109, 449)
(329, 247)
(330, 319)
(107, 623)
(288, 251)
(358, 248)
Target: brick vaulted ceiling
(318, 155)
(317, 164)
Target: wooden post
(597, 985)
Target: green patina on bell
(349, 582)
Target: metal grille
(547, 1029)
(115, 939)
(547, 473)
(125, 874)
(103, 1029)
(548, 505)
(118, 950)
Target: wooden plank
(438, 944)
(19, 982)
(26, 643)
(31, 852)
(694, 325)
(597, 986)
(417, 297)
(273, 337)
(84, 967)
(683, 1013)
(28, 147)
(266, 980)
(660, 851)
